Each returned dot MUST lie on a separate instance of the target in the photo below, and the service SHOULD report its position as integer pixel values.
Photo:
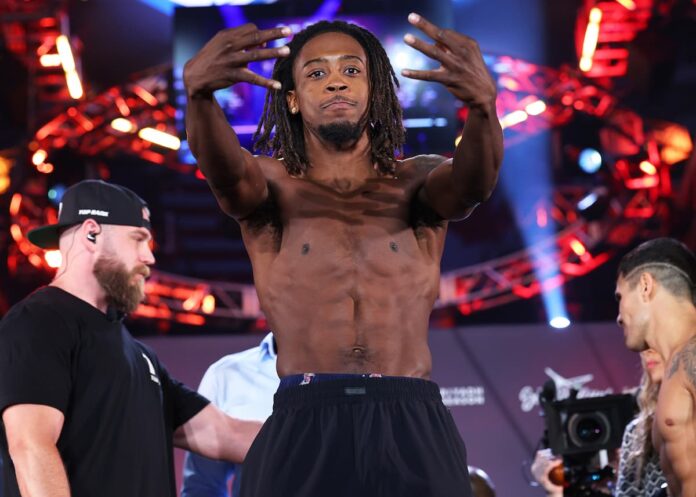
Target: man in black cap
(86, 409)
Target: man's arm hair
(32, 432)
(214, 434)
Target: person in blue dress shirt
(241, 384)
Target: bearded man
(86, 409)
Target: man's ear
(647, 285)
(291, 99)
(88, 233)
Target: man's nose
(336, 87)
(147, 257)
(619, 320)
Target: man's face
(331, 85)
(122, 267)
(633, 314)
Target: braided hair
(384, 115)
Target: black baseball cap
(104, 202)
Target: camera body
(580, 426)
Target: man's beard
(340, 134)
(123, 292)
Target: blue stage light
(590, 160)
(559, 322)
(587, 201)
(55, 194)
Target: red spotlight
(122, 106)
(643, 182)
(145, 95)
(15, 203)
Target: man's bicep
(32, 424)
(239, 197)
(197, 432)
(36, 360)
(438, 193)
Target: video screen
(429, 109)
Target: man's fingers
(446, 38)
(243, 29)
(273, 34)
(435, 32)
(436, 52)
(260, 54)
(433, 75)
(249, 36)
(244, 74)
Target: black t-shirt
(121, 406)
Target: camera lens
(588, 429)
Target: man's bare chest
(381, 202)
(674, 414)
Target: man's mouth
(144, 272)
(339, 102)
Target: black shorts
(357, 436)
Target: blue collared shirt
(242, 385)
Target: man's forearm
(215, 435)
(213, 142)
(478, 155)
(40, 472)
(240, 435)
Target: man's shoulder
(39, 308)
(272, 168)
(420, 164)
(140, 346)
(684, 361)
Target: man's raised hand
(462, 69)
(224, 60)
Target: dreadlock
(384, 116)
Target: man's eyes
(318, 73)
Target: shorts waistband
(295, 390)
(294, 380)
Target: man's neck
(674, 326)
(351, 163)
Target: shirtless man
(345, 243)
(656, 290)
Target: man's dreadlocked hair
(384, 115)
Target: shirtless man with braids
(656, 290)
(345, 242)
